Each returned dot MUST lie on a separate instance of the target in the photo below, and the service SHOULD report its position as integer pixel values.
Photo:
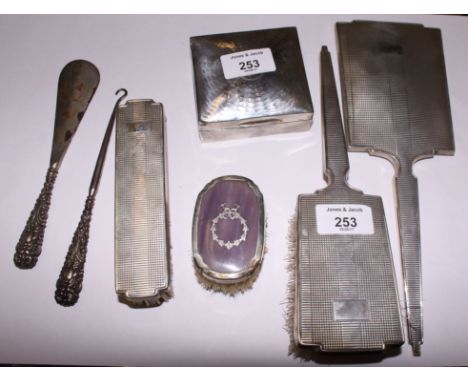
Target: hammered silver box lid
(250, 84)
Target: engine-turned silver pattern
(141, 221)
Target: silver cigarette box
(250, 84)
(142, 276)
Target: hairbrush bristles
(228, 289)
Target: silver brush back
(141, 223)
(346, 297)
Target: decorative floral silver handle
(29, 246)
(70, 280)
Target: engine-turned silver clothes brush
(142, 264)
(396, 106)
(345, 291)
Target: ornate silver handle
(29, 246)
(70, 280)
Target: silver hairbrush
(345, 290)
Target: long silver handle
(336, 153)
(406, 186)
(29, 246)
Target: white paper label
(247, 63)
(344, 219)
